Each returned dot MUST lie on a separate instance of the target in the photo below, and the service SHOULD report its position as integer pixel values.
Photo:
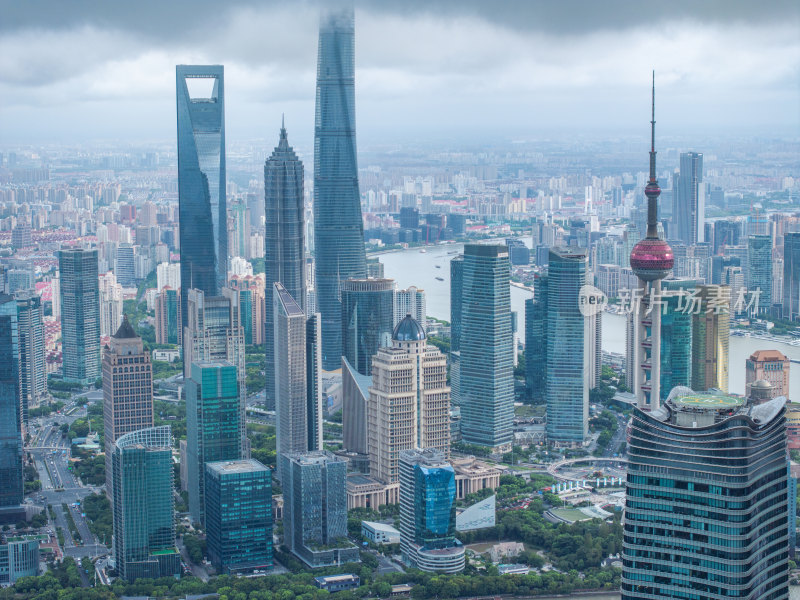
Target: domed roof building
(408, 330)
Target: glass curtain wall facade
(676, 337)
(486, 385)
(201, 180)
(144, 506)
(759, 271)
(689, 211)
(367, 320)
(338, 225)
(33, 374)
(568, 355)
(284, 239)
(791, 275)
(428, 512)
(456, 295)
(707, 504)
(11, 474)
(80, 315)
(239, 515)
(536, 341)
(711, 338)
(315, 509)
(212, 425)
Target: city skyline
(710, 62)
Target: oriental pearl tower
(651, 261)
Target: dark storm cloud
(178, 20)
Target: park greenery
(98, 513)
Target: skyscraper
(127, 390)
(297, 376)
(791, 276)
(143, 505)
(689, 210)
(487, 353)
(536, 341)
(284, 239)
(759, 271)
(652, 260)
(168, 317)
(410, 301)
(428, 512)
(676, 336)
(315, 509)
(124, 267)
(213, 332)
(338, 226)
(711, 338)
(707, 506)
(569, 355)
(409, 401)
(201, 180)
(212, 425)
(367, 320)
(769, 365)
(80, 315)
(239, 515)
(33, 375)
(11, 488)
(456, 298)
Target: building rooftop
(125, 330)
(767, 355)
(236, 466)
(408, 330)
(707, 401)
(385, 527)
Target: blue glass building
(759, 270)
(568, 356)
(536, 341)
(315, 509)
(284, 240)
(791, 276)
(707, 506)
(33, 374)
(338, 225)
(11, 475)
(367, 320)
(212, 424)
(144, 505)
(238, 515)
(486, 386)
(676, 336)
(428, 512)
(201, 180)
(456, 291)
(80, 315)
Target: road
(51, 453)
(619, 436)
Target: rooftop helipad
(713, 401)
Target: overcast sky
(93, 69)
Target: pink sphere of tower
(652, 259)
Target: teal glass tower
(212, 425)
(284, 240)
(144, 506)
(338, 225)
(367, 320)
(536, 341)
(486, 387)
(239, 515)
(11, 488)
(201, 180)
(456, 294)
(80, 315)
(676, 336)
(759, 270)
(428, 512)
(568, 357)
(707, 500)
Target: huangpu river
(430, 270)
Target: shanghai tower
(338, 227)
(284, 241)
(201, 180)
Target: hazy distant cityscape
(550, 356)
